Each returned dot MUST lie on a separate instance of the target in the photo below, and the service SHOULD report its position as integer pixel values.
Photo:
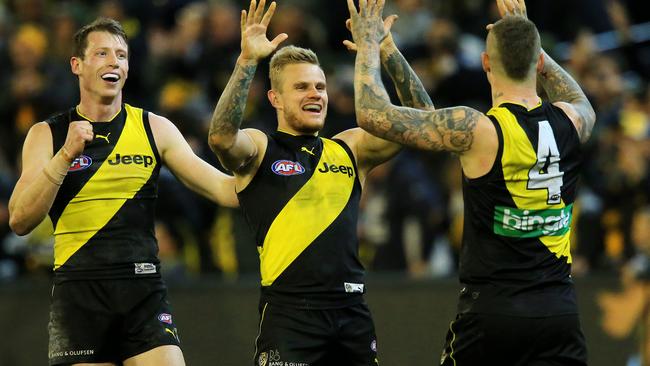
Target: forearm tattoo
(409, 88)
(450, 129)
(228, 114)
(561, 87)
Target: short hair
(286, 56)
(101, 24)
(518, 45)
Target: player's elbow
(220, 143)
(230, 202)
(19, 225)
(363, 117)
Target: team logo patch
(80, 163)
(287, 168)
(373, 345)
(165, 318)
(353, 287)
(263, 359)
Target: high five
(520, 165)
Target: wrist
(244, 61)
(66, 155)
(387, 48)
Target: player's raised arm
(234, 147)
(450, 129)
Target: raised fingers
(389, 21)
(352, 8)
(501, 5)
(243, 20)
(259, 12)
(363, 7)
(251, 13)
(269, 14)
(521, 4)
(279, 39)
(379, 7)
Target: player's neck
(286, 128)
(99, 111)
(519, 93)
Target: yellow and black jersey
(516, 249)
(103, 214)
(302, 206)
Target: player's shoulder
(39, 133)
(59, 118)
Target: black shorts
(313, 337)
(108, 320)
(492, 339)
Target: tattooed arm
(237, 148)
(409, 88)
(564, 92)
(234, 147)
(371, 150)
(450, 129)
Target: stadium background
(181, 55)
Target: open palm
(255, 45)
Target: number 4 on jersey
(546, 173)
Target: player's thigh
(160, 356)
(486, 339)
(561, 342)
(149, 323)
(82, 324)
(357, 341)
(292, 336)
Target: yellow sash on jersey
(307, 214)
(107, 190)
(519, 156)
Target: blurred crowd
(182, 53)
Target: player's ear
(485, 62)
(540, 63)
(75, 65)
(273, 98)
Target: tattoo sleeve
(559, 86)
(409, 88)
(450, 129)
(228, 114)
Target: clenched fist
(79, 134)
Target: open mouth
(312, 108)
(111, 77)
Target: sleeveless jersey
(103, 214)
(302, 206)
(515, 258)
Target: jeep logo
(132, 159)
(337, 169)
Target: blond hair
(286, 56)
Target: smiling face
(104, 67)
(300, 99)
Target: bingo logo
(287, 168)
(165, 318)
(81, 163)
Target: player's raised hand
(79, 134)
(367, 25)
(388, 41)
(254, 43)
(510, 7)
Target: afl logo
(287, 168)
(80, 163)
(165, 318)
